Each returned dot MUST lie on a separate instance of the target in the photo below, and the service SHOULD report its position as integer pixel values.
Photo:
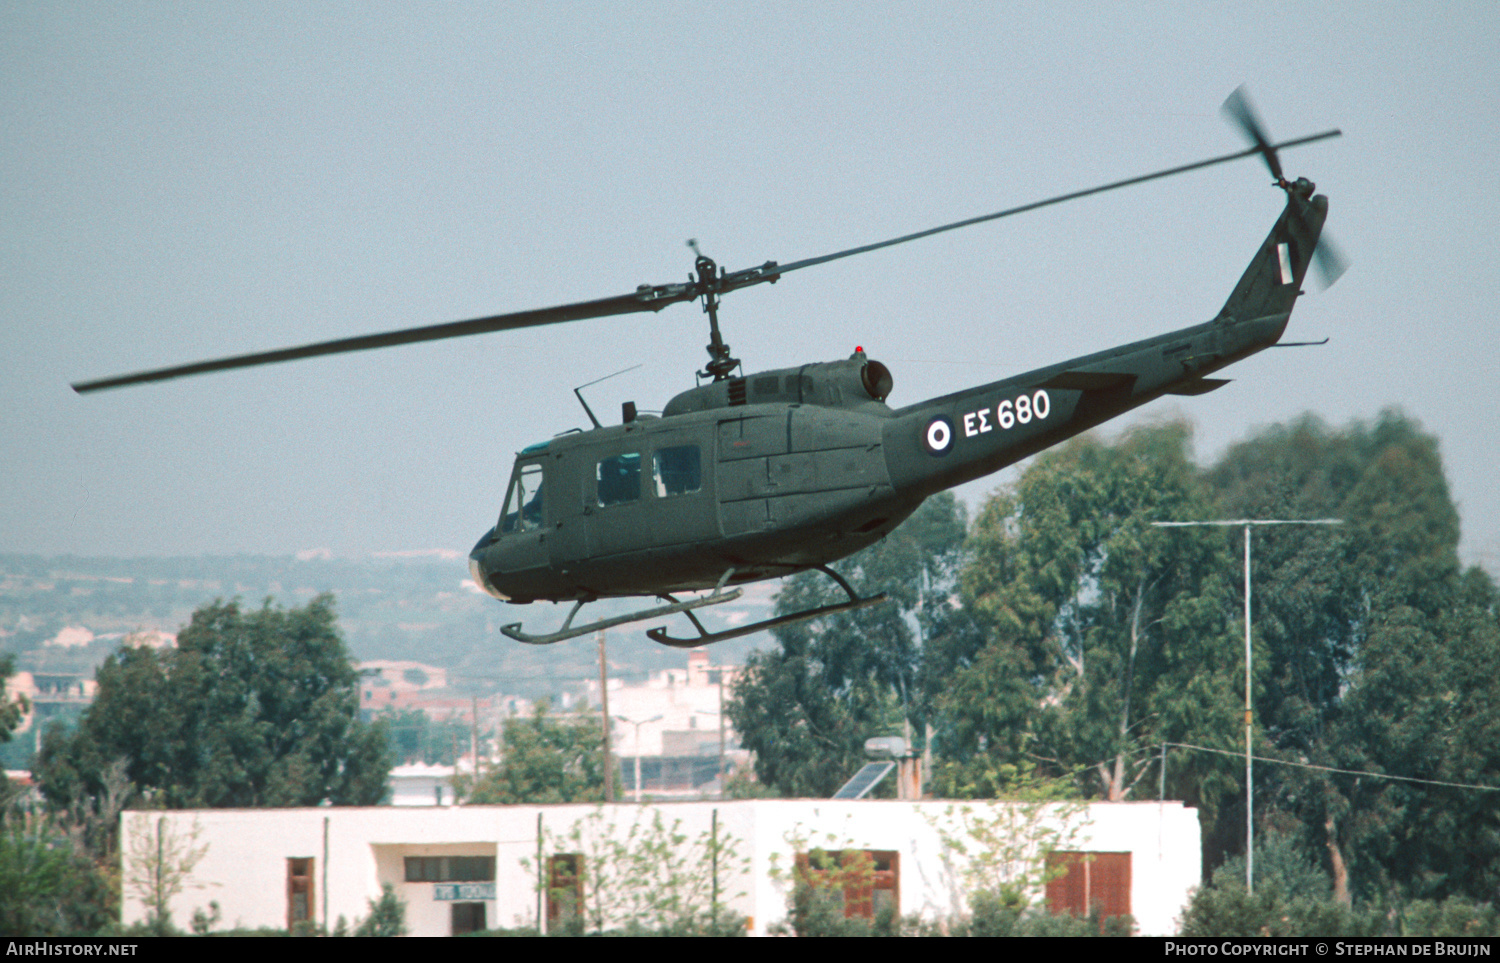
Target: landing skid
(705, 637)
(717, 597)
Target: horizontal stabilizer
(1198, 386)
(1089, 381)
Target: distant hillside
(389, 608)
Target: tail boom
(957, 438)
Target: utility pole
(609, 769)
(474, 733)
(722, 776)
(1248, 523)
(656, 718)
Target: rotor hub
(710, 277)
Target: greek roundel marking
(938, 437)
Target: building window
(299, 891)
(450, 869)
(867, 882)
(1078, 882)
(565, 893)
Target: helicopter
(750, 477)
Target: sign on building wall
(463, 891)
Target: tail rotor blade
(1330, 262)
(1237, 107)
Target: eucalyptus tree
(1104, 636)
(1381, 657)
(547, 758)
(806, 707)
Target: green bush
(1225, 908)
(1005, 914)
(48, 890)
(387, 915)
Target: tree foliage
(545, 759)
(1300, 904)
(247, 710)
(807, 707)
(643, 875)
(1104, 636)
(387, 915)
(418, 738)
(998, 853)
(158, 863)
(46, 888)
(12, 710)
(1380, 655)
(1064, 634)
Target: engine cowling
(853, 382)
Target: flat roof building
(460, 868)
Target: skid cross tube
(717, 597)
(705, 637)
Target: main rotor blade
(796, 265)
(643, 299)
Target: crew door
(681, 489)
(614, 501)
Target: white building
(461, 868)
(672, 730)
(418, 784)
(48, 695)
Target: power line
(1346, 772)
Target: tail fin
(1273, 280)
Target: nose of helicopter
(476, 566)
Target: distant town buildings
(150, 639)
(668, 735)
(420, 784)
(71, 636)
(390, 684)
(49, 695)
(672, 730)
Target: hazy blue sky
(191, 180)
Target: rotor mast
(710, 282)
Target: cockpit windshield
(523, 504)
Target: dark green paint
(803, 466)
(799, 467)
